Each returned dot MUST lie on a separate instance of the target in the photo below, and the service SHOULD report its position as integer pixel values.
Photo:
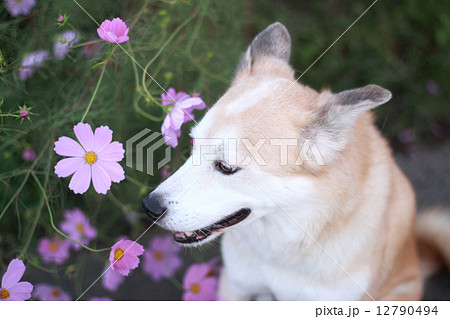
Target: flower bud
(60, 19)
(24, 113)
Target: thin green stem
(50, 214)
(31, 169)
(136, 182)
(95, 93)
(37, 217)
(76, 34)
(176, 283)
(104, 62)
(172, 36)
(85, 43)
(204, 8)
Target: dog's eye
(226, 168)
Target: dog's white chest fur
(289, 270)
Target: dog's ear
(332, 123)
(274, 42)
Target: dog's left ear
(332, 123)
(274, 42)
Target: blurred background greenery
(194, 46)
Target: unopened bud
(24, 113)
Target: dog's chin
(203, 235)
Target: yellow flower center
(54, 246)
(118, 254)
(80, 228)
(4, 294)
(195, 288)
(158, 255)
(56, 293)
(90, 157)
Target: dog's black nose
(152, 205)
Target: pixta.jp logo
(143, 146)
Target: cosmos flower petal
(114, 31)
(65, 146)
(113, 152)
(81, 179)
(85, 136)
(114, 170)
(129, 259)
(46, 292)
(21, 290)
(16, 8)
(100, 179)
(60, 49)
(195, 274)
(122, 39)
(15, 271)
(176, 118)
(68, 166)
(111, 280)
(179, 114)
(102, 138)
(76, 224)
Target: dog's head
(264, 142)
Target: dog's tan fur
(363, 190)
(363, 207)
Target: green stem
(85, 44)
(104, 62)
(95, 93)
(176, 283)
(145, 114)
(137, 183)
(172, 36)
(23, 182)
(41, 204)
(50, 214)
(9, 114)
(76, 34)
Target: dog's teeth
(189, 233)
(179, 235)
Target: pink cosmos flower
(54, 250)
(180, 111)
(161, 260)
(124, 256)
(32, 61)
(115, 31)
(19, 7)
(62, 44)
(200, 283)
(77, 226)
(29, 155)
(96, 158)
(11, 289)
(46, 292)
(111, 280)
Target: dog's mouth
(198, 235)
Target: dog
(303, 187)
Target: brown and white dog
(302, 185)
